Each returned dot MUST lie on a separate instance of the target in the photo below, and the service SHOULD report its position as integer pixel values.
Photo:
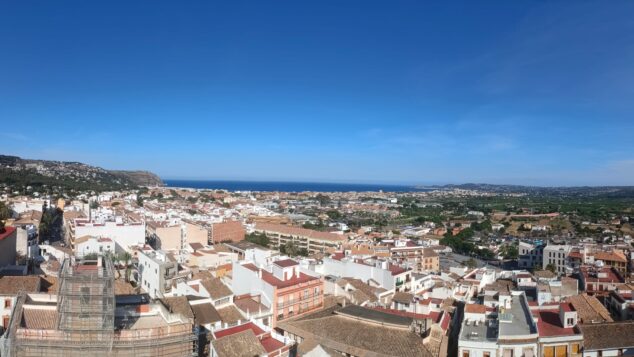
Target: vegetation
(291, 249)
(258, 238)
(509, 251)
(50, 224)
(5, 212)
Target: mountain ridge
(70, 175)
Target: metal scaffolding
(85, 322)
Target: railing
(312, 297)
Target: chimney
(100, 261)
(260, 273)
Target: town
(167, 271)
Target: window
(560, 351)
(465, 353)
(486, 354)
(574, 348)
(571, 321)
(7, 303)
(84, 299)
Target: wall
(124, 235)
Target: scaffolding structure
(85, 302)
(85, 322)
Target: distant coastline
(288, 186)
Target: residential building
(608, 339)
(125, 235)
(211, 257)
(8, 241)
(620, 302)
(418, 257)
(311, 240)
(599, 280)
(227, 231)
(356, 291)
(159, 272)
(511, 331)
(357, 331)
(250, 339)
(556, 256)
(10, 288)
(613, 258)
(559, 333)
(285, 288)
(556, 290)
(89, 245)
(530, 255)
(589, 309)
(379, 272)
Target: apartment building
(420, 258)
(557, 257)
(88, 245)
(379, 272)
(613, 258)
(124, 235)
(599, 280)
(530, 255)
(159, 272)
(514, 329)
(620, 302)
(285, 288)
(510, 331)
(311, 240)
(227, 231)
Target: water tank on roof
(599, 263)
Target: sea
(271, 186)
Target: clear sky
(523, 92)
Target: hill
(69, 177)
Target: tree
(126, 257)
(551, 267)
(258, 238)
(470, 263)
(333, 214)
(5, 213)
(290, 249)
(94, 204)
(322, 199)
(510, 252)
(139, 200)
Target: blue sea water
(288, 186)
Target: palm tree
(126, 257)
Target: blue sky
(523, 92)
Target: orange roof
(475, 309)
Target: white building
(557, 256)
(510, 332)
(379, 272)
(93, 245)
(123, 234)
(530, 255)
(157, 272)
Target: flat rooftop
(516, 321)
(482, 332)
